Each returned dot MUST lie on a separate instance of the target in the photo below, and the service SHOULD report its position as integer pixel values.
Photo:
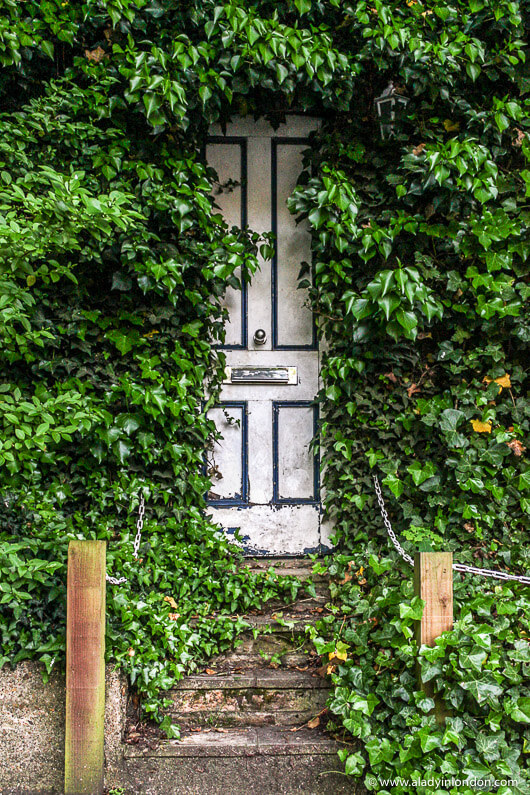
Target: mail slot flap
(261, 375)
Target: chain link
(388, 526)
(497, 575)
(139, 526)
(137, 540)
(494, 573)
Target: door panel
(229, 158)
(293, 325)
(295, 465)
(228, 463)
(265, 474)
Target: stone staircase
(254, 721)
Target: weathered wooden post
(85, 668)
(433, 582)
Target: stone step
(251, 698)
(276, 637)
(301, 568)
(266, 760)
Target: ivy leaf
(355, 763)
(481, 427)
(388, 303)
(520, 712)
(303, 6)
(484, 689)
(395, 485)
(473, 659)
(122, 449)
(121, 281)
(450, 419)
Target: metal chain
(137, 540)
(388, 526)
(494, 573)
(139, 526)
(498, 575)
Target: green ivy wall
(112, 271)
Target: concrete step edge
(273, 679)
(289, 566)
(262, 740)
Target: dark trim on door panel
(242, 142)
(240, 500)
(275, 142)
(277, 405)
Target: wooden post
(85, 668)
(433, 582)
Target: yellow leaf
(338, 655)
(31, 279)
(481, 427)
(171, 601)
(312, 724)
(451, 126)
(503, 380)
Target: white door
(265, 476)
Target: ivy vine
(113, 265)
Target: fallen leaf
(391, 377)
(210, 671)
(312, 724)
(173, 616)
(502, 381)
(469, 527)
(198, 729)
(520, 138)
(347, 578)
(301, 668)
(418, 149)
(429, 210)
(516, 446)
(451, 126)
(338, 655)
(96, 55)
(171, 601)
(413, 388)
(481, 427)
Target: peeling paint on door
(265, 471)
